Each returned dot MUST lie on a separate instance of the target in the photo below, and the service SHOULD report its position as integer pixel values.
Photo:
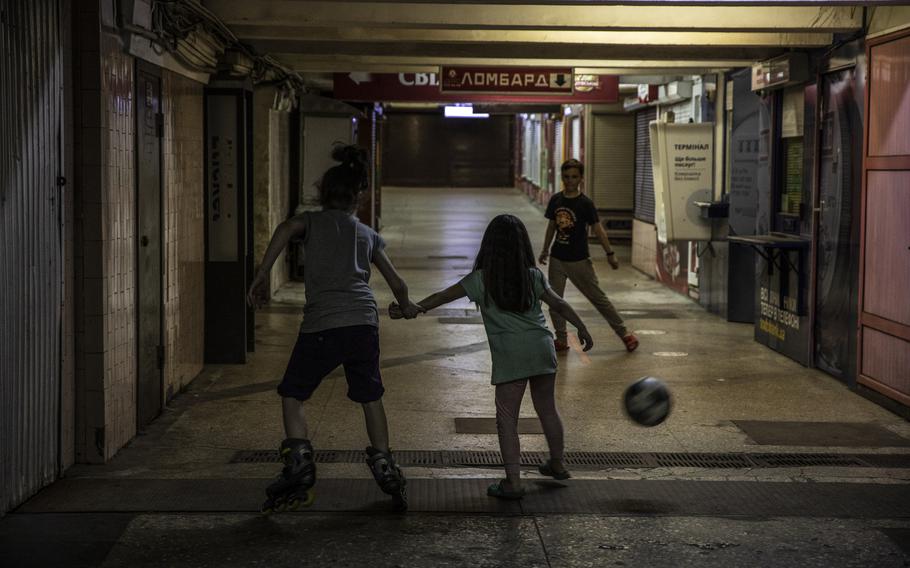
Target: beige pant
(581, 274)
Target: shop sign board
(428, 87)
(514, 80)
(647, 93)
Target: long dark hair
(506, 257)
(341, 185)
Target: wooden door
(884, 327)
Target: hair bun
(350, 155)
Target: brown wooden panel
(888, 162)
(887, 326)
(889, 117)
(887, 245)
(886, 360)
(884, 389)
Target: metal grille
(336, 456)
(582, 460)
(419, 457)
(475, 458)
(644, 176)
(559, 145)
(712, 461)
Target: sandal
(546, 469)
(498, 491)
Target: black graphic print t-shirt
(572, 217)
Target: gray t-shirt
(338, 250)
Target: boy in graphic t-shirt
(570, 213)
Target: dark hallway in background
(422, 149)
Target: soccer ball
(647, 401)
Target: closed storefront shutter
(31, 249)
(558, 147)
(682, 112)
(611, 184)
(538, 150)
(576, 138)
(644, 177)
(526, 149)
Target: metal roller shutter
(575, 130)
(558, 149)
(31, 246)
(612, 176)
(644, 177)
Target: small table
(771, 247)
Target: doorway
(836, 211)
(150, 348)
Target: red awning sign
(512, 80)
(425, 87)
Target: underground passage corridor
(738, 474)
(266, 297)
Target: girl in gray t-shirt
(340, 327)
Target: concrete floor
(435, 372)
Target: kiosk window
(792, 184)
(790, 168)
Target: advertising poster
(782, 321)
(672, 266)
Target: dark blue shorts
(317, 354)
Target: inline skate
(389, 477)
(292, 488)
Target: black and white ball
(647, 401)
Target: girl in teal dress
(508, 287)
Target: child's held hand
(411, 310)
(586, 340)
(408, 312)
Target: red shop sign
(425, 87)
(514, 80)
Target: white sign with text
(682, 161)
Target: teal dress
(521, 344)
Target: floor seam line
(543, 544)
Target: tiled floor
(436, 369)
